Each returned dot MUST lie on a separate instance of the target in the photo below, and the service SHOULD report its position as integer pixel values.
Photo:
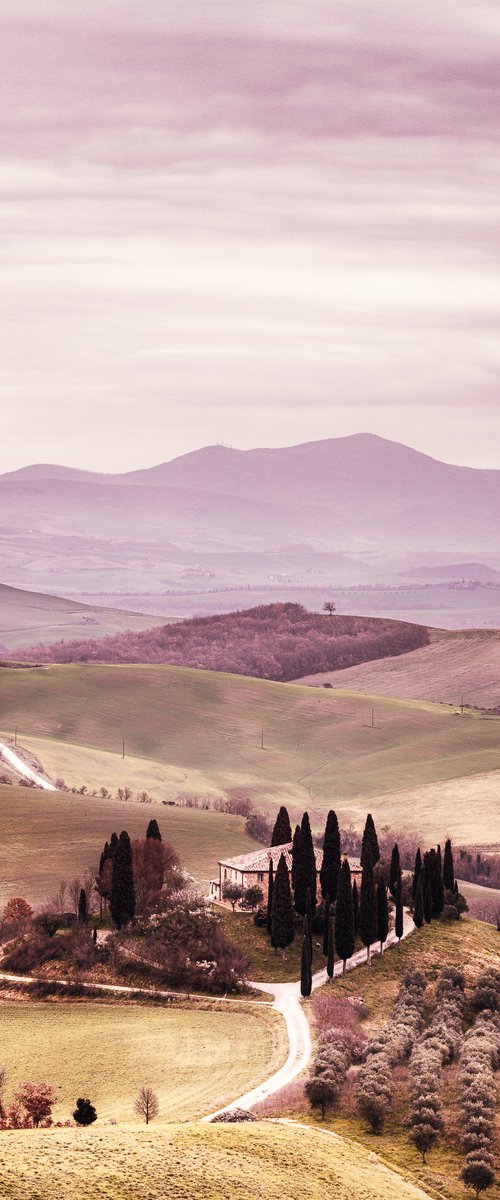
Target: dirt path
(288, 1002)
(14, 761)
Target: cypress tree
(330, 866)
(399, 922)
(355, 907)
(393, 870)
(330, 961)
(428, 902)
(326, 924)
(417, 871)
(82, 907)
(308, 934)
(367, 904)
(344, 916)
(295, 853)
(270, 886)
(305, 969)
(305, 869)
(153, 831)
(122, 883)
(282, 832)
(448, 868)
(370, 839)
(434, 876)
(418, 908)
(382, 914)
(282, 921)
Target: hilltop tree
(418, 907)
(146, 1104)
(282, 919)
(305, 868)
(370, 839)
(399, 919)
(85, 1113)
(282, 832)
(270, 886)
(382, 914)
(122, 883)
(329, 607)
(330, 867)
(393, 870)
(153, 831)
(367, 904)
(305, 969)
(448, 867)
(344, 916)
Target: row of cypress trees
(121, 894)
(433, 883)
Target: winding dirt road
(22, 769)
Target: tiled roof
(258, 860)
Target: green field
(194, 1162)
(28, 618)
(108, 1051)
(319, 748)
(53, 836)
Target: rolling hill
(33, 617)
(343, 509)
(197, 731)
(454, 665)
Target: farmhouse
(248, 870)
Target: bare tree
(146, 1105)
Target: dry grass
(264, 1162)
(455, 664)
(53, 836)
(27, 618)
(203, 731)
(195, 1059)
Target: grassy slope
(465, 663)
(265, 1162)
(27, 618)
(55, 836)
(107, 1051)
(469, 946)
(319, 747)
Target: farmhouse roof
(258, 860)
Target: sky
(259, 224)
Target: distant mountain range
(343, 510)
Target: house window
(260, 877)
(225, 873)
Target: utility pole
(123, 748)
(373, 718)
(462, 706)
(262, 739)
(15, 737)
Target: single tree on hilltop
(282, 918)
(282, 832)
(330, 867)
(329, 607)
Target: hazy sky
(260, 223)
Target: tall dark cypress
(305, 969)
(367, 904)
(330, 867)
(270, 886)
(370, 839)
(428, 902)
(282, 919)
(82, 907)
(434, 876)
(326, 924)
(399, 919)
(393, 870)
(382, 914)
(122, 883)
(355, 907)
(344, 916)
(308, 934)
(417, 871)
(309, 919)
(330, 961)
(153, 830)
(295, 853)
(305, 869)
(282, 832)
(448, 868)
(418, 906)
